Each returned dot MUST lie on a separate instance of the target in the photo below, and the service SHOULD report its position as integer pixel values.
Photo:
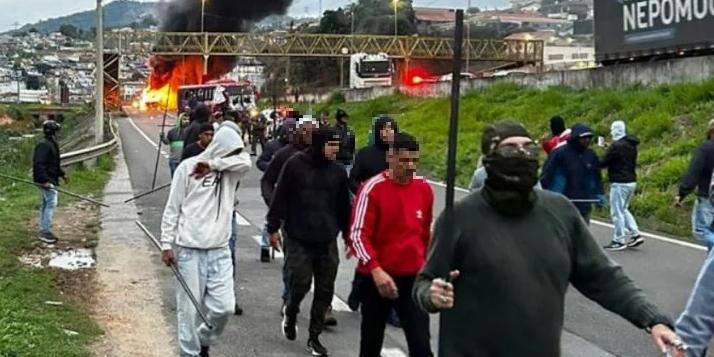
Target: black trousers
(375, 309)
(305, 263)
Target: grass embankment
(670, 120)
(28, 326)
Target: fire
(168, 74)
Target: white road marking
(608, 225)
(242, 221)
(393, 352)
(155, 145)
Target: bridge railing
(317, 45)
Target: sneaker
(282, 309)
(238, 311)
(204, 351)
(289, 326)
(635, 241)
(316, 348)
(393, 319)
(615, 246)
(265, 254)
(330, 319)
(47, 237)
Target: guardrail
(78, 156)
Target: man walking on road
(506, 256)
(46, 171)
(621, 162)
(200, 115)
(197, 225)
(574, 171)
(312, 199)
(175, 142)
(347, 140)
(390, 232)
(699, 177)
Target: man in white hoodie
(195, 231)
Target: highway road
(663, 268)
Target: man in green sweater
(505, 258)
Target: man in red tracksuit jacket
(390, 233)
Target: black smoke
(219, 15)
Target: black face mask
(512, 173)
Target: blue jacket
(574, 171)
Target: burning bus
(241, 94)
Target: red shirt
(556, 141)
(391, 225)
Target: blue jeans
(48, 202)
(696, 324)
(208, 274)
(173, 164)
(622, 219)
(703, 221)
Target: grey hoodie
(199, 212)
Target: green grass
(670, 120)
(28, 326)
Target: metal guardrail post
(90, 153)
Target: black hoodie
(199, 116)
(46, 162)
(311, 198)
(371, 160)
(621, 160)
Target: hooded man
(196, 225)
(559, 135)
(499, 265)
(699, 177)
(46, 171)
(347, 140)
(286, 135)
(200, 115)
(312, 202)
(175, 142)
(621, 162)
(372, 159)
(303, 138)
(574, 171)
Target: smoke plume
(218, 16)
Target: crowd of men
(505, 255)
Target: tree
(335, 21)
(69, 30)
(377, 17)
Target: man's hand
(677, 201)
(46, 185)
(168, 257)
(349, 251)
(385, 284)
(276, 241)
(162, 136)
(441, 292)
(201, 170)
(666, 340)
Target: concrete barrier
(646, 74)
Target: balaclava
(512, 170)
(618, 130)
(557, 125)
(320, 137)
(50, 128)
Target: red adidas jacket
(391, 225)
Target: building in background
(561, 53)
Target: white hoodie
(199, 212)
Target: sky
(30, 11)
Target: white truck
(370, 70)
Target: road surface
(666, 270)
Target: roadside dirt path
(128, 303)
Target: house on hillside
(512, 20)
(429, 19)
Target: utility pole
(99, 72)
(468, 35)
(396, 24)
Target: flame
(168, 74)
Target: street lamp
(344, 51)
(396, 27)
